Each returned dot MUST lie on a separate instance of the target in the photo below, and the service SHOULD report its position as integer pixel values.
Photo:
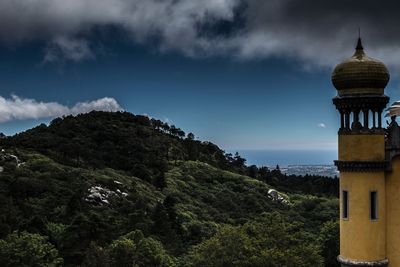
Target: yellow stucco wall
(361, 238)
(362, 147)
(393, 213)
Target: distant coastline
(287, 157)
(298, 162)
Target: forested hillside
(114, 189)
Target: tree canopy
(115, 189)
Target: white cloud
(321, 125)
(103, 104)
(16, 108)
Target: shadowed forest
(115, 189)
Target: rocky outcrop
(101, 195)
(6, 157)
(278, 197)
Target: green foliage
(96, 256)
(195, 203)
(56, 231)
(329, 239)
(150, 253)
(114, 189)
(231, 246)
(213, 193)
(271, 241)
(122, 252)
(134, 249)
(120, 140)
(143, 146)
(307, 184)
(26, 249)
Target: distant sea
(288, 157)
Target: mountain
(115, 189)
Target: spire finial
(359, 43)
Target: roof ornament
(360, 74)
(359, 43)
(359, 48)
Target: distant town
(322, 170)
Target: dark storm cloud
(317, 33)
(322, 31)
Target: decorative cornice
(362, 131)
(360, 102)
(348, 263)
(361, 91)
(361, 166)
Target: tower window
(345, 204)
(374, 205)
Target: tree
(329, 239)
(239, 161)
(133, 249)
(252, 171)
(190, 136)
(276, 171)
(272, 242)
(26, 249)
(150, 253)
(122, 252)
(229, 247)
(96, 256)
(166, 128)
(180, 133)
(263, 173)
(162, 222)
(173, 130)
(157, 124)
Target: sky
(244, 74)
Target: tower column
(356, 120)
(347, 119)
(366, 121)
(360, 83)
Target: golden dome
(360, 74)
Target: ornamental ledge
(361, 166)
(347, 262)
(362, 131)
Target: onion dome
(360, 75)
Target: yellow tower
(360, 82)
